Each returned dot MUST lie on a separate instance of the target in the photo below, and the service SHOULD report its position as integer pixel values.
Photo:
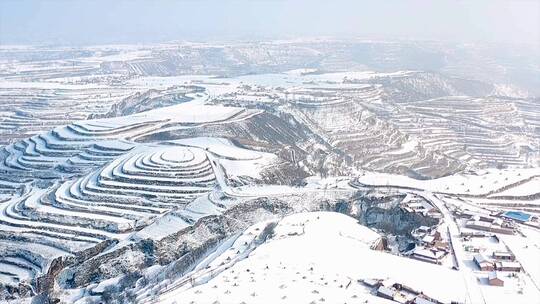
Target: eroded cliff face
(385, 214)
(186, 245)
(391, 218)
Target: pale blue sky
(136, 21)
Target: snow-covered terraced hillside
(398, 122)
(119, 199)
(480, 131)
(78, 187)
(40, 155)
(109, 203)
(85, 144)
(373, 143)
(27, 109)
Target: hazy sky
(134, 21)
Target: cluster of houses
(496, 226)
(486, 223)
(397, 292)
(500, 261)
(432, 247)
(416, 204)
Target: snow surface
(480, 183)
(316, 256)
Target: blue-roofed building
(517, 216)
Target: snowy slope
(314, 257)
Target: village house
(494, 279)
(504, 256)
(464, 214)
(471, 234)
(508, 266)
(420, 232)
(483, 263)
(414, 204)
(482, 218)
(442, 245)
(431, 255)
(423, 229)
(486, 226)
(478, 225)
(434, 213)
(428, 240)
(416, 207)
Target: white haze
(104, 21)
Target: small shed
(419, 300)
(386, 293)
(380, 245)
(495, 279)
(400, 298)
(371, 282)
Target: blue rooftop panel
(517, 215)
